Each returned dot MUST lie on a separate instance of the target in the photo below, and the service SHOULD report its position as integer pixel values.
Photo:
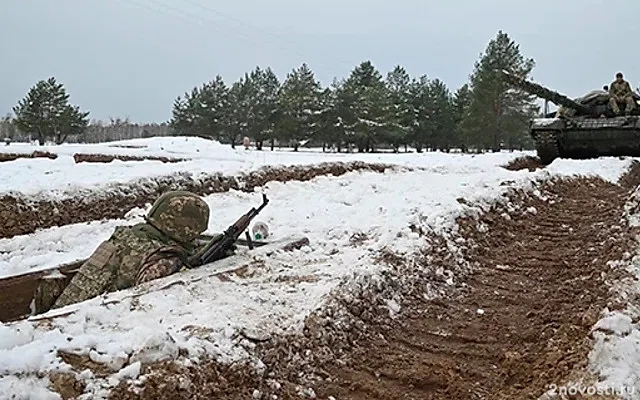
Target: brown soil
(21, 215)
(17, 291)
(35, 154)
(527, 162)
(516, 322)
(107, 158)
(66, 385)
(83, 362)
(128, 146)
(631, 179)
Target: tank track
(547, 147)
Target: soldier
(605, 88)
(136, 254)
(620, 92)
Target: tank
(582, 128)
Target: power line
(208, 23)
(184, 15)
(257, 28)
(239, 21)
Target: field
(426, 276)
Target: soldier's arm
(161, 263)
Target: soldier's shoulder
(132, 236)
(121, 233)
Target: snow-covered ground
(62, 177)
(308, 202)
(616, 354)
(205, 316)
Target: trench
(21, 215)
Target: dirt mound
(107, 158)
(527, 162)
(35, 154)
(631, 179)
(22, 216)
(211, 381)
(517, 322)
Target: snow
(27, 388)
(206, 315)
(62, 177)
(616, 353)
(608, 168)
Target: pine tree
(402, 113)
(367, 98)
(299, 101)
(334, 110)
(498, 112)
(200, 113)
(184, 120)
(237, 121)
(46, 112)
(263, 105)
(461, 103)
(211, 107)
(422, 130)
(441, 115)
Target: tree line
(365, 111)
(95, 132)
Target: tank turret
(547, 94)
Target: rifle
(218, 247)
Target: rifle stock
(218, 247)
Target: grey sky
(133, 57)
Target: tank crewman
(621, 93)
(158, 247)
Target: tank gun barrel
(543, 92)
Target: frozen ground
(205, 316)
(325, 203)
(616, 354)
(63, 177)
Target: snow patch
(615, 357)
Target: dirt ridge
(529, 163)
(107, 158)
(5, 157)
(23, 215)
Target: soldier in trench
(158, 247)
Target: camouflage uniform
(138, 253)
(621, 93)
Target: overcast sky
(131, 58)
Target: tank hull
(586, 137)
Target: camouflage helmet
(179, 214)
